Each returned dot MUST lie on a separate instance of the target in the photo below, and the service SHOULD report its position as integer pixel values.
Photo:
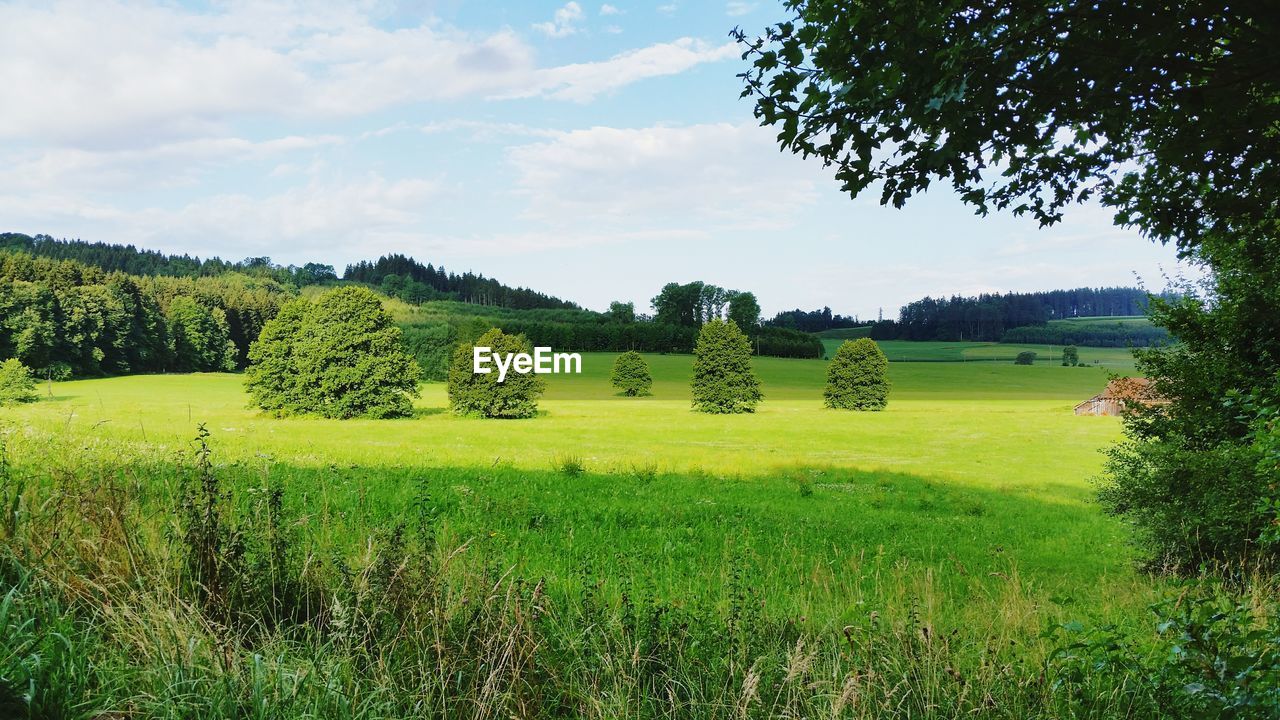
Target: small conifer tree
(723, 379)
(858, 377)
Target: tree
(199, 337)
(1070, 356)
(1164, 113)
(339, 356)
(16, 383)
(744, 310)
(723, 380)
(1026, 357)
(858, 377)
(631, 374)
(480, 394)
(621, 312)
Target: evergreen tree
(481, 394)
(16, 383)
(723, 380)
(631, 374)
(858, 377)
(339, 357)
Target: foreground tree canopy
(1169, 114)
(723, 379)
(338, 356)
(480, 394)
(858, 377)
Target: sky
(593, 151)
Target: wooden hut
(1121, 394)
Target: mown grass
(797, 560)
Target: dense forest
(989, 317)
(133, 261)
(62, 317)
(814, 321)
(405, 278)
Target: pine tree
(723, 380)
(857, 378)
(631, 374)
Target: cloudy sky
(593, 151)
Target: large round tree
(339, 356)
(631, 374)
(723, 380)
(858, 377)
(481, 394)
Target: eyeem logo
(541, 362)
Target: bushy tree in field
(199, 337)
(480, 394)
(1026, 357)
(723, 380)
(339, 356)
(16, 383)
(631, 374)
(1070, 356)
(744, 310)
(858, 377)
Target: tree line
(405, 278)
(62, 318)
(134, 261)
(814, 321)
(988, 317)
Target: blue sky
(594, 151)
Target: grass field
(1116, 359)
(963, 457)
(964, 508)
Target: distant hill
(1092, 331)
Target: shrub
(631, 374)
(1026, 357)
(723, 380)
(16, 383)
(480, 394)
(57, 371)
(857, 378)
(339, 357)
(1070, 355)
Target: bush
(723, 380)
(339, 357)
(57, 371)
(1026, 357)
(857, 378)
(480, 394)
(631, 374)
(16, 384)
(1070, 356)
(1214, 657)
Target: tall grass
(135, 583)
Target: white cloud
(607, 10)
(737, 8)
(110, 75)
(564, 23)
(692, 178)
(584, 81)
(668, 9)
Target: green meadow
(975, 474)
